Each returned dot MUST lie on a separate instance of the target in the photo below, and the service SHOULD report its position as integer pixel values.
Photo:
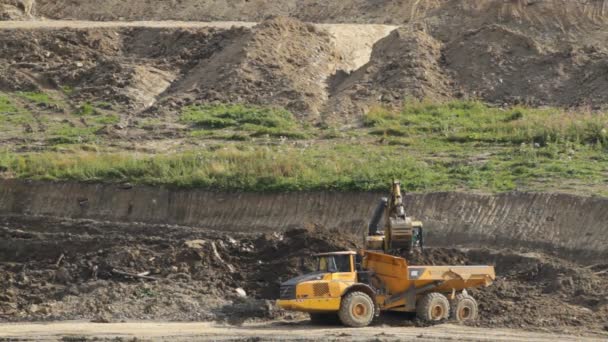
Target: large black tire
(433, 307)
(463, 308)
(356, 310)
(324, 318)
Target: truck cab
(320, 293)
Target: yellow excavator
(357, 286)
(401, 234)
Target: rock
(23, 279)
(239, 291)
(195, 244)
(180, 276)
(101, 319)
(6, 298)
(63, 276)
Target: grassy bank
(430, 147)
(353, 166)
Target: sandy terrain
(279, 331)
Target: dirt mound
(281, 62)
(532, 290)
(102, 271)
(126, 67)
(494, 64)
(310, 10)
(406, 64)
(545, 292)
(55, 270)
(16, 9)
(510, 67)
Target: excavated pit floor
(58, 270)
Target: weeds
(361, 167)
(11, 115)
(260, 121)
(86, 109)
(72, 135)
(463, 121)
(429, 146)
(7, 106)
(67, 90)
(244, 168)
(237, 116)
(37, 98)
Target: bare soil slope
(16, 9)
(536, 53)
(125, 66)
(281, 62)
(499, 64)
(405, 64)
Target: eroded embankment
(570, 226)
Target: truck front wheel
(433, 307)
(356, 310)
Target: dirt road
(79, 24)
(267, 331)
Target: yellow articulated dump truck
(357, 286)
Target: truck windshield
(334, 263)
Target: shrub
(237, 116)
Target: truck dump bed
(399, 277)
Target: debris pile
(114, 272)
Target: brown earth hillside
(287, 63)
(406, 64)
(281, 62)
(539, 53)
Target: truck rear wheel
(356, 310)
(463, 308)
(433, 307)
